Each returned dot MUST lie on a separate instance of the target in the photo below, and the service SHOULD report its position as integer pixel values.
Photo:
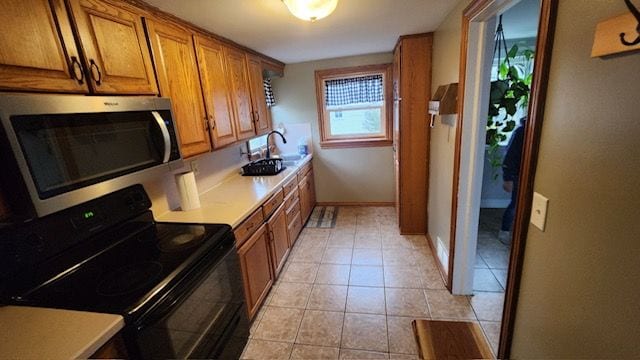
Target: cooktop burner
(129, 278)
(178, 239)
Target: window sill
(343, 144)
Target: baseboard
(494, 203)
(443, 272)
(347, 203)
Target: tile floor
(351, 292)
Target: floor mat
(323, 217)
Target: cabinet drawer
(304, 170)
(244, 230)
(291, 186)
(291, 198)
(272, 204)
(293, 208)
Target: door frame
(532, 136)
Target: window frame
(351, 141)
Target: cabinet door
(279, 239)
(311, 186)
(261, 114)
(305, 198)
(256, 269)
(115, 48)
(175, 61)
(239, 81)
(216, 91)
(37, 48)
(396, 127)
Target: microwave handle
(165, 135)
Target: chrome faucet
(268, 155)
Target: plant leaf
(513, 51)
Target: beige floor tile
(328, 297)
(316, 233)
(256, 321)
(307, 254)
(418, 241)
(341, 239)
(398, 256)
(300, 272)
(312, 241)
(403, 356)
(401, 338)
(480, 264)
(333, 274)
(368, 242)
(366, 276)
(279, 324)
(349, 354)
(406, 302)
(314, 352)
(431, 278)
(368, 300)
(367, 257)
(484, 280)
(261, 349)
(501, 275)
(488, 305)
(402, 277)
(365, 332)
(492, 332)
(335, 255)
(320, 328)
(294, 295)
(443, 305)
(396, 241)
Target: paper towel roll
(188, 191)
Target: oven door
(204, 316)
(71, 149)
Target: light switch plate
(539, 211)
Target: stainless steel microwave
(57, 151)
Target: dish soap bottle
(302, 146)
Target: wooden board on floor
(450, 340)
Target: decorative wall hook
(636, 14)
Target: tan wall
(342, 175)
(446, 61)
(581, 277)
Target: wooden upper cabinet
(261, 113)
(216, 91)
(239, 82)
(37, 48)
(174, 55)
(115, 48)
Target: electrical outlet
(195, 167)
(539, 211)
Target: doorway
(480, 20)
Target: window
(354, 106)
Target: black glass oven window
(195, 326)
(68, 151)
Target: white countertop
(233, 200)
(39, 333)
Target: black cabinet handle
(76, 70)
(93, 66)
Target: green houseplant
(509, 92)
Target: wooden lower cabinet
(307, 196)
(256, 269)
(278, 239)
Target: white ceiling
(356, 27)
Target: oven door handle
(165, 136)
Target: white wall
(342, 175)
(446, 62)
(581, 277)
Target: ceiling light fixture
(311, 10)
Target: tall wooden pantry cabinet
(411, 94)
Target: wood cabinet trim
(279, 236)
(248, 226)
(272, 204)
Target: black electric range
(178, 286)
